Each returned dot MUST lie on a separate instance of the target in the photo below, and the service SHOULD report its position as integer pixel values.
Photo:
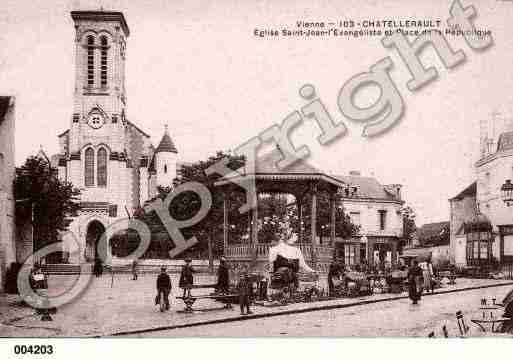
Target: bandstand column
(254, 232)
(225, 225)
(394, 252)
(313, 241)
(332, 219)
(299, 203)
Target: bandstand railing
(246, 252)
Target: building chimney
(354, 173)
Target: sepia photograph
(255, 169)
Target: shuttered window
(90, 60)
(103, 71)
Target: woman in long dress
(415, 282)
(427, 275)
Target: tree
(409, 226)
(187, 204)
(45, 198)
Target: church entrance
(94, 232)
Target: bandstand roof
(266, 169)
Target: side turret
(166, 157)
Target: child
(163, 286)
(134, 270)
(186, 278)
(245, 292)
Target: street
(125, 306)
(397, 318)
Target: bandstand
(302, 181)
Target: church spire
(166, 144)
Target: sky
(197, 67)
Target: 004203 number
(33, 349)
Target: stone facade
(376, 208)
(103, 153)
(463, 207)
(7, 173)
(491, 171)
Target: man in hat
(245, 291)
(186, 277)
(223, 277)
(164, 286)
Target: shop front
(506, 244)
(479, 241)
(376, 251)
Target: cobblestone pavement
(108, 307)
(397, 318)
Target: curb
(291, 311)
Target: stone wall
(7, 174)
(461, 210)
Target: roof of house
(505, 141)
(470, 191)
(4, 106)
(432, 229)
(368, 187)
(64, 133)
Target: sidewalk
(128, 308)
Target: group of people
(186, 281)
(420, 277)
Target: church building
(103, 153)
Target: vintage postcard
(261, 168)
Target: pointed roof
(166, 144)
(470, 191)
(5, 101)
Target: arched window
(89, 167)
(103, 71)
(102, 167)
(165, 168)
(90, 60)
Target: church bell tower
(99, 108)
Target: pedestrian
(163, 287)
(245, 291)
(333, 273)
(97, 267)
(38, 278)
(186, 278)
(134, 270)
(428, 274)
(415, 282)
(223, 277)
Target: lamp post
(507, 192)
